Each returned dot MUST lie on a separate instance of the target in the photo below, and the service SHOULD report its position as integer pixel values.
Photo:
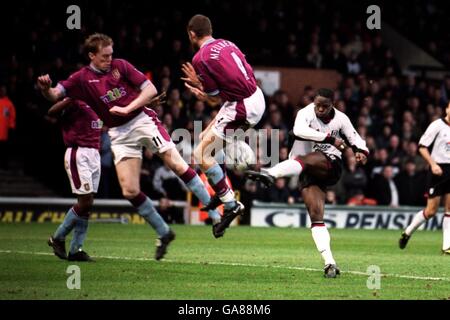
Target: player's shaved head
(95, 42)
(200, 25)
(326, 93)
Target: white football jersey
(310, 128)
(438, 135)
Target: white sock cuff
(228, 196)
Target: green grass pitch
(248, 263)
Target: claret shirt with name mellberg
(224, 71)
(103, 90)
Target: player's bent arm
(58, 107)
(354, 139)
(302, 131)
(144, 98)
(213, 100)
(53, 94)
(44, 83)
(423, 150)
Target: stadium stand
(390, 107)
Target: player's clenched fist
(340, 144)
(44, 82)
(361, 157)
(436, 169)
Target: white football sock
(446, 231)
(286, 168)
(417, 221)
(322, 239)
(228, 196)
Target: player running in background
(81, 129)
(437, 135)
(219, 71)
(331, 132)
(120, 95)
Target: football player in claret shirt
(219, 71)
(120, 95)
(81, 130)
(330, 132)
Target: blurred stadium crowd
(390, 108)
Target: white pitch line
(241, 265)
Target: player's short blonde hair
(95, 42)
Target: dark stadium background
(390, 106)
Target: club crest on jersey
(116, 74)
(86, 187)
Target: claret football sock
(417, 221)
(285, 168)
(218, 183)
(147, 210)
(195, 184)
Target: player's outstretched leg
(446, 233)
(176, 163)
(286, 168)
(128, 172)
(217, 179)
(417, 221)
(266, 179)
(196, 186)
(147, 210)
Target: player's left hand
(119, 111)
(360, 157)
(191, 76)
(199, 94)
(158, 100)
